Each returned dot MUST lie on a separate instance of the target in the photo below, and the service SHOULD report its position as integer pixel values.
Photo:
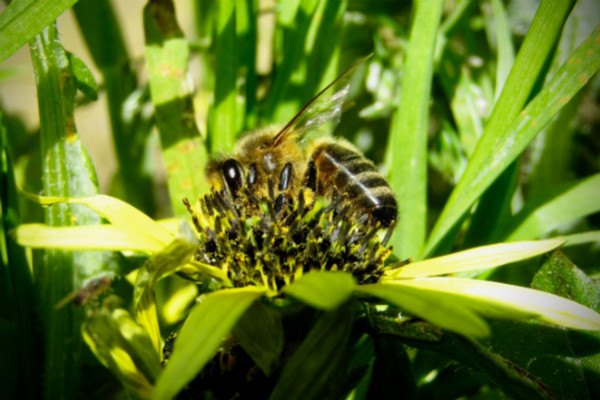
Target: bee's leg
(388, 234)
(279, 203)
(233, 176)
(310, 176)
(285, 177)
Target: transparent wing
(325, 106)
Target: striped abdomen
(342, 169)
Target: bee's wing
(324, 107)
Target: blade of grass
(507, 134)
(292, 29)
(67, 171)
(223, 117)
(201, 335)
(130, 129)
(246, 14)
(560, 206)
(22, 20)
(407, 147)
(183, 150)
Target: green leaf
(183, 150)
(548, 354)
(84, 79)
(406, 155)
(556, 207)
(223, 128)
(260, 333)
(325, 290)
(315, 368)
(208, 323)
(501, 300)
(479, 258)
(124, 347)
(171, 258)
(23, 19)
(91, 237)
(438, 308)
(560, 276)
(579, 353)
(117, 212)
(509, 129)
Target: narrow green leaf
(208, 323)
(431, 305)
(124, 347)
(479, 258)
(584, 237)
(117, 212)
(170, 259)
(500, 300)
(91, 237)
(223, 128)
(407, 148)
(23, 19)
(183, 150)
(492, 158)
(325, 290)
(260, 332)
(316, 367)
(561, 206)
(506, 51)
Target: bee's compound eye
(233, 175)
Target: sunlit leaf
(478, 258)
(509, 301)
(88, 237)
(117, 212)
(322, 289)
(431, 305)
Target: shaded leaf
(208, 323)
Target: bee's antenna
(281, 134)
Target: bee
(330, 167)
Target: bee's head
(259, 147)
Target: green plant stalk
(67, 171)
(407, 148)
(223, 119)
(537, 47)
(183, 149)
(23, 19)
(102, 34)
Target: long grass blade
(407, 147)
